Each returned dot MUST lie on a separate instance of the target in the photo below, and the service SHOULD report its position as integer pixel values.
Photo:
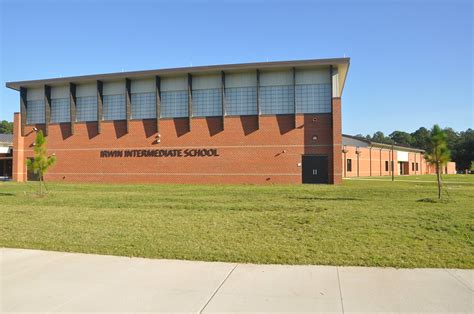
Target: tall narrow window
(386, 165)
(313, 91)
(35, 112)
(416, 166)
(207, 95)
(143, 106)
(114, 107)
(277, 92)
(241, 94)
(349, 165)
(60, 110)
(86, 108)
(174, 97)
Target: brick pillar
(336, 177)
(19, 163)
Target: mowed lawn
(370, 223)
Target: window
(412, 166)
(313, 98)
(207, 102)
(386, 165)
(114, 107)
(86, 108)
(416, 166)
(349, 165)
(143, 106)
(174, 104)
(35, 112)
(60, 110)
(241, 101)
(276, 99)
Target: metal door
(315, 169)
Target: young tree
(438, 153)
(41, 162)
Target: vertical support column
(370, 161)
(23, 106)
(128, 103)
(294, 96)
(389, 163)
(380, 169)
(421, 164)
(393, 164)
(72, 105)
(100, 100)
(223, 98)
(414, 164)
(19, 162)
(190, 100)
(358, 159)
(258, 99)
(47, 109)
(336, 126)
(158, 102)
(344, 151)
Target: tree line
(461, 144)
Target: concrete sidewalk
(41, 281)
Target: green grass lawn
(370, 223)
(458, 178)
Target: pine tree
(41, 162)
(438, 153)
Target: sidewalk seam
(217, 289)
(340, 289)
(459, 280)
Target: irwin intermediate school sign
(202, 152)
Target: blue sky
(411, 61)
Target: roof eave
(170, 71)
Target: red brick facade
(248, 153)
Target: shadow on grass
(432, 200)
(318, 198)
(6, 194)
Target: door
(315, 169)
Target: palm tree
(438, 153)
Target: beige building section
(363, 158)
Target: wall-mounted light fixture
(315, 137)
(35, 129)
(315, 119)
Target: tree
(379, 137)
(438, 153)
(6, 127)
(401, 137)
(421, 138)
(463, 153)
(41, 162)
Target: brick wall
(270, 154)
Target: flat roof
(341, 63)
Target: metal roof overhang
(342, 64)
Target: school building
(364, 158)
(269, 122)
